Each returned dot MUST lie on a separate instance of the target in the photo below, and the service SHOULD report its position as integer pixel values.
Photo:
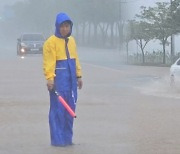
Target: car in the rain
(175, 72)
(30, 43)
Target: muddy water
(120, 110)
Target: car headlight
(23, 44)
(22, 50)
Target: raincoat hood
(60, 18)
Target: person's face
(65, 29)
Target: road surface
(121, 109)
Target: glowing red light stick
(64, 103)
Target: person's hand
(50, 84)
(80, 83)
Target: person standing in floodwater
(62, 71)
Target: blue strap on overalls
(66, 46)
(68, 56)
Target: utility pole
(120, 23)
(172, 40)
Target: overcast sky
(134, 5)
(6, 2)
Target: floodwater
(121, 109)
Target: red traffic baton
(64, 103)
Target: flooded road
(121, 109)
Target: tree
(160, 17)
(129, 32)
(142, 33)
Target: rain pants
(61, 64)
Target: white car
(175, 72)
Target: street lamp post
(120, 22)
(172, 40)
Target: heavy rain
(129, 54)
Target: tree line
(155, 23)
(96, 23)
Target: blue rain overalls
(60, 121)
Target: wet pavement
(121, 109)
